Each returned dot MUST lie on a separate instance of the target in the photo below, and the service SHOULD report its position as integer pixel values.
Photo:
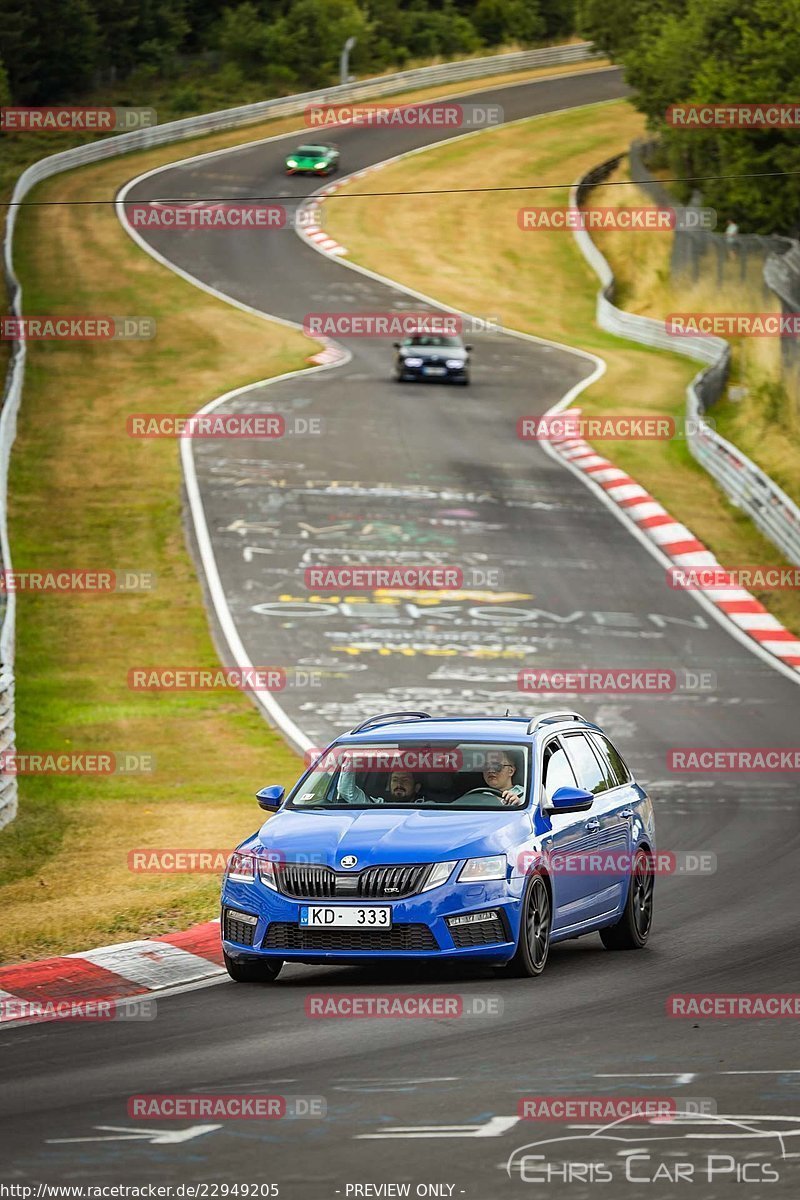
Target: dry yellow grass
(465, 248)
(765, 424)
(84, 494)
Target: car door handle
(592, 825)
(626, 814)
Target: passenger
(403, 789)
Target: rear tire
(633, 928)
(534, 932)
(253, 970)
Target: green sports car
(319, 159)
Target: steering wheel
(476, 796)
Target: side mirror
(271, 798)
(468, 347)
(396, 345)
(569, 800)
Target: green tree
(502, 21)
(616, 25)
(150, 32)
(309, 38)
(243, 37)
(5, 90)
(730, 56)
(38, 72)
(559, 17)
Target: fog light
(473, 918)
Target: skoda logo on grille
(349, 860)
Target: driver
(403, 789)
(498, 774)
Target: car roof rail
(550, 718)
(402, 714)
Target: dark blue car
(419, 837)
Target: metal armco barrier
(746, 485)
(161, 135)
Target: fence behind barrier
(749, 488)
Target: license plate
(434, 370)
(372, 917)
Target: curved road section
(427, 475)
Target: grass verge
(467, 249)
(763, 421)
(85, 495)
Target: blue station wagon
(418, 837)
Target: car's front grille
(303, 882)
(237, 929)
(283, 936)
(478, 933)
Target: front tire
(534, 933)
(633, 928)
(253, 970)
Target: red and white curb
(329, 355)
(53, 987)
(681, 546)
(310, 228)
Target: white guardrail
(161, 135)
(746, 485)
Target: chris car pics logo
(721, 1151)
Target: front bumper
(420, 927)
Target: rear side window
(584, 760)
(600, 748)
(621, 772)
(557, 772)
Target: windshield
(311, 150)
(431, 339)
(452, 775)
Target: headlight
(477, 870)
(439, 874)
(320, 166)
(241, 868)
(454, 363)
(290, 162)
(413, 362)
(266, 873)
